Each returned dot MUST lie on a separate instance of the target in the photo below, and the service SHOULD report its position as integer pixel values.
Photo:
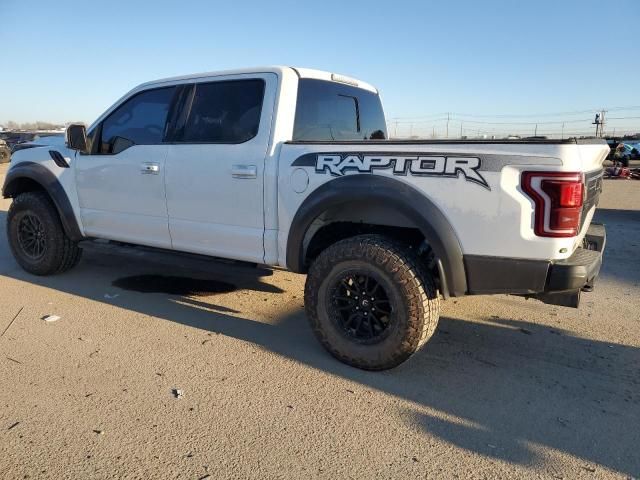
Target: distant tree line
(38, 125)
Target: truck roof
(277, 69)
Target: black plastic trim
(44, 177)
(391, 193)
(488, 275)
(581, 269)
(58, 159)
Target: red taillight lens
(564, 193)
(558, 200)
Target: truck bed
(516, 141)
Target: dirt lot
(507, 388)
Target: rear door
(215, 167)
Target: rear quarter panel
(495, 219)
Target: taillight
(558, 200)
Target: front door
(215, 167)
(121, 184)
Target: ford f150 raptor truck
(292, 167)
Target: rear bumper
(557, 282)
(581, 268)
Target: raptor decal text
(419, 165)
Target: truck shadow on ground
(497, 387)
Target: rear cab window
(331, 111)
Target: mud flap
(570, 298)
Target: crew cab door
(215, 167)
(120, 184)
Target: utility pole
(448, 117)
(535, 133)
(562, 134)
(395, 130)
(461, 128)
(602, 113)
(596, 122)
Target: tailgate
(593, 188)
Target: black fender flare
(431, 222)
(48, 181)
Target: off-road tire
(60, 253)
(415, 313)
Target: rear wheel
(36, 236)
(370, 303)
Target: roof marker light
(342, 79)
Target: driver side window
(140, 120)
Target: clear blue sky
(69, 60)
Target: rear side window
(333, 111)
(223, 112)
(139, 121)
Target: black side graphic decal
(417, 164)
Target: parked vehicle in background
(41, 140)
(290, 167)
(623, 154)
(5, 152)
(13, 138)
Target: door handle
(150, 168)
(244, 171)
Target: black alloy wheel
(32, 236)
(360, 306)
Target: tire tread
(406, 270)
(65, 253)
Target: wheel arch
(31, 176)
(385, 194)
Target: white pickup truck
(292, 167)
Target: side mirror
(75, 137)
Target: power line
(527, 123)
(553, 122)
(420, 116)
(520, 131)
(622, 118)
(527, 115)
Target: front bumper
(556, 282)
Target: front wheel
(36, 237)
(370, 302)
